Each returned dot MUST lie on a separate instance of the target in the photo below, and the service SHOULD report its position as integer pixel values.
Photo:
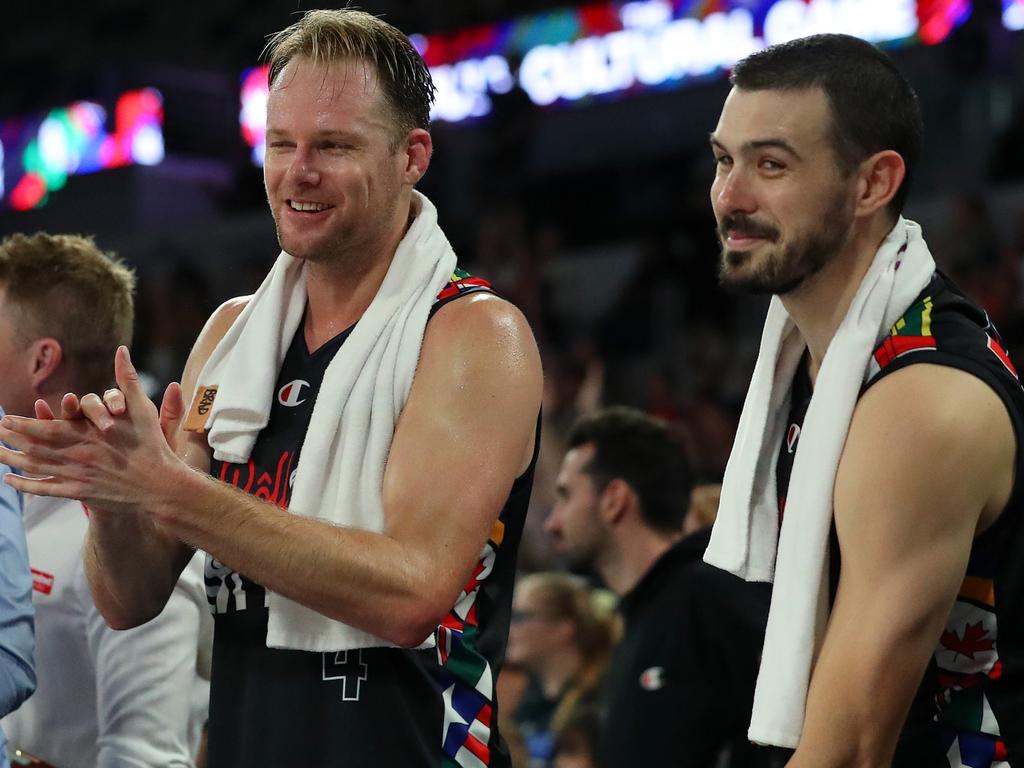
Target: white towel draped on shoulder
(339, 479)
(746, 539)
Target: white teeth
(307, 207)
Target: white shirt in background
(108, 698)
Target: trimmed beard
(785, 270)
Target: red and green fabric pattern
(911, 333)
(967, 660)
(461, 282)
(997, 349)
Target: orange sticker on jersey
(199, 413)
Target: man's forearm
(848, 760)
(132, 567)
(343, 573)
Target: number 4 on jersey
(349, 667)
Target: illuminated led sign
(38, 154)
(610, 49)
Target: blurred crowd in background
(610, 253)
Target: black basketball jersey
(969, 709)
(370, 707)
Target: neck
(558, 669)
(339, 292)
(633, 556)
(819, 305)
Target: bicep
(915, 476)
(461, 440)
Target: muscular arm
(133, 563)
(463, 437)
(921, 473)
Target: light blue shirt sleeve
(17, 671)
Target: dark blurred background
(592, 216)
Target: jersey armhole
(445, 298)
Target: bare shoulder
(480, 316)
(192, 446)
(220, 321)
(482, 329)
(934, 433)
(218, 324)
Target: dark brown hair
(873, 106)
(642, 450)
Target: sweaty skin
(472, 408)
(919, 476)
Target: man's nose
(733, 193)
(551, 522)
(304, 169)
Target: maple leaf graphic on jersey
(975, 640)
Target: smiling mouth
(741, 240)
(742, 230)
(303, 207)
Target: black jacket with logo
(680, 685)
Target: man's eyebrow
(352, 138)
(782, 144)
(774, 143)
(338, 134)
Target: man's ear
(45, 357)
(419, 146)
(614, 501)
(880, 178)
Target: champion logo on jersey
(653, 678)
(290, 394)
(792, 435)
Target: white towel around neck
(746, 539)
(340, 474)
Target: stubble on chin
(738, 272)
(319, 251)
(777, 272)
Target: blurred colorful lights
(1013, 14)
(253, 117)
(42, 153)
(604, 50)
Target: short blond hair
(64, 287)
(345, 34)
